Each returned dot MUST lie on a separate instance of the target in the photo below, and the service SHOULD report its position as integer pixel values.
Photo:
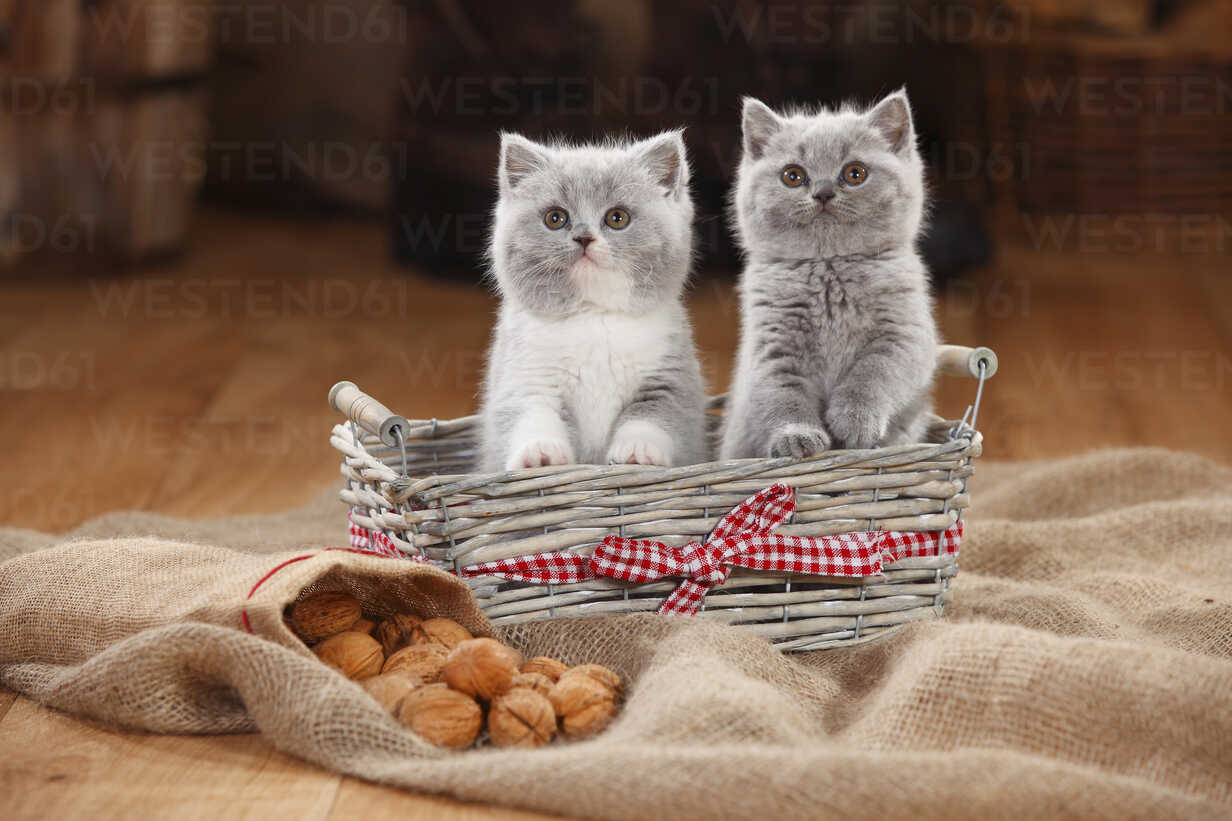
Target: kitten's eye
(854, 173)
(793, 176)
(617, 218)
(556, 218)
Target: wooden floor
(197, 388)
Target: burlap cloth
(1084, 670)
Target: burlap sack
(92, 618)
(1084, 671)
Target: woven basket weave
(407, 483)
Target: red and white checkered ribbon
(374, 541)
(742, 538)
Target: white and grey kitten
(592, 359)
(838, 341)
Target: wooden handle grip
(955, 360)
(366, 412)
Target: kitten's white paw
(857, 428)
(540, 452)
(799, 441)
(640, 443)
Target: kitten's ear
(518, 158)
(760, 124)
(664, 156)
(892, 117)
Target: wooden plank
(107, 42)
(6, 701)
(83, 172)
(1119, 16)
(154, 146)
(1086, 364)
(306, 312)
(359, 799)
(1044, 401)
(103, 414)
(142, 39)
(1215, 287)
(55, 766)
(1202, 27)
(10, 188)
(45, 37)
(58, 202)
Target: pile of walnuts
(440, 681)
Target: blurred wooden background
(198, 388)
(116, 114)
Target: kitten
(838, 342)
(592, 359)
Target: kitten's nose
(584, 240)
(824, 195)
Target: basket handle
(956, 360)
(980, 363)
(368, 413)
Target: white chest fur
(592, 364)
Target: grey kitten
(592, 358)
(838, 342)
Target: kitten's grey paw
(539, 453)
(799, 441)
(857, 428)
(640, 443)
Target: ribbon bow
(742, 538)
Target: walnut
(389, 689)
(585, 705)
(538, 682)
(322, 615)
(445, 632)
(421, 660)
(442, 716)
(357, 655)
(549, 667)
(481, 667)
(521, 718)
(395, 632)
(599, 673)
(365, 626)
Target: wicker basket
(409, 491)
